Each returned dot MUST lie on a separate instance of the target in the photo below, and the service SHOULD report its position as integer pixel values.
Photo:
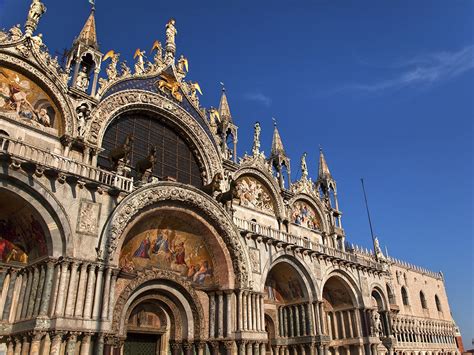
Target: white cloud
(258, 97)
(423, 70)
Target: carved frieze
(88, 218)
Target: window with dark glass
(174, 157)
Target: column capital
(228, 344)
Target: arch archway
(341, 314)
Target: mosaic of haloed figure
(22, 237)
(23, 99)
(304, 215)
(170, 241)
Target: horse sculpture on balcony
(121, 152)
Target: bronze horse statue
(147, 163)
(121, 152)
(228, 196)
(214, 185)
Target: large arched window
(438, 304)
(423, 300)
(405, 296)
(174, 157)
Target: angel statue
(170, 38)
(15, 33)
(158, 58)
(111, 69)
(304, 167)
(183, 65)
(195, 88)
(140, 63)
(256, 139)
(214, 119)
(37, 9)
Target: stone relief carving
(154, 193)
(88, 221)
(254, 255)
(125, 100)
(253, 194)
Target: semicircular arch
(315, 204)
(135, 100)
(55, 91)
(348, 281)
(268, 181)
(175, 194)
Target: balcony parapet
(288, 241)
(43, 159)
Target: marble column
(105, 301)
(21, 297)
(262, 313)
(47, 287)
(321, 312)
(220, 314)
(212, 315)
(26, 294)
(81, 290)
(113, 282)
(25, 347)
(56, 343)
(290, 321)
(90, 291)
(244, 311)
(72, 291)
(254, 311)
(304, 319)
(36, 343)
(33, 292)
(296, 311)
(8, 301)
(228, 316)
(18, 343)
(86, 344)
(71, 344)
(99, 345)
(258, 318)
(98, 293)
(59, 311)
(239, 310)
(39, 292)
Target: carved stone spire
(277, 144)
(323, 171)
(304, 167)
(278, 157)
(256, 139)
(224, 109)
(88, 35)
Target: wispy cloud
(422, 70)
(259, 97)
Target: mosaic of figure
(21, 239)
(304, 215)
(283, 284)
(170, 243)
(29, 102)
(254, 195)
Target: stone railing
(48, 160)
(289, 239)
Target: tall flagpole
(368, 213)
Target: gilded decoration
(305, 215)
(253, 194)
(170, 241)
(23, 99)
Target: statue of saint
(377, 249)
(256, 139)
(304, 167)
(82, 80)
(83, 115)
(37, 9)
(140, 63)
(170, 32)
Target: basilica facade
(129, 225)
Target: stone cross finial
(37, 9)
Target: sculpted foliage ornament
(153, 194)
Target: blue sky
(384, 87)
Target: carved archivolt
(133, 205)
(127, 100)
(269, 182)
(121, 314)
(57, 94)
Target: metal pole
(368, 213)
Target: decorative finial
(256, 139)
(274, 121)
(92, 2)
(223, 86)
(304, 167)
(37, 9)
(320, 148)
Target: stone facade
(125, 246)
